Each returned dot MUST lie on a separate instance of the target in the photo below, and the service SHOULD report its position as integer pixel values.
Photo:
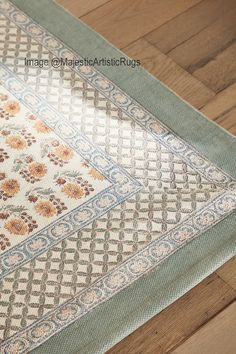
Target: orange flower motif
(16, 142)
(11, 107)
(16, 226)
(2, 175)
(96, 175)
(10, 187)
(3, 97)
(41, 127)
(45, 208)
(72, 190)
(64, 152)
(37, 169)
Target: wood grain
(122, 21)
(222, 103)
(81, 7)
(171, 74)
(177, 322)
(196, 19)
(228, 272)
(220, 72)
(205, 45)
(228, 121)
(216, 337)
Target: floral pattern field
(41, 177)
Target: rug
(116, 197)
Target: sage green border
(116, 318)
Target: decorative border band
(124, 275)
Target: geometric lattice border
(122, 276)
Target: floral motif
(9, 109)
(206, 219)
(37, 169)
(20, 18)
(175, 143)
(17, 226)
(41, 330)
(46, 208)
(5, 6)
(14, 259)
(41, 127)
(64, 153)
(52, 43)
(4, 242)
(3, 155)
(9, 188)
(73, 185)
(116, 280)
(160, 250)
(157, 128)
(138, 112)
(58, 153)
(139, 265)
(86, 70)
(196, 160)
(120, 98)
(183, 234)
(18, 221)
(216, 176)
(3, 97)
(32, 171)
(95, 174)
(16, 347)
(91, 296)
(45, 202)
(103, 84)
(67, 313)
(226, 204)
(17, 137)
(37, 244)
(105, 201)
(2, 176)
(35, 30)
(73, 190)
(16, 142)
(60, 229)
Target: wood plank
(80, 7)
(216, 337)
(228, 121)
(189, 23)
(170, 73)
(199, 49)
(222, 103)
(228, 272)
(178, 321)
(219, 72)
(123, 22)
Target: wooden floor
(190, 45)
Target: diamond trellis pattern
(172, 191)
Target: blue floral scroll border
(122, 276)
(127, 104)
(122, 185)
